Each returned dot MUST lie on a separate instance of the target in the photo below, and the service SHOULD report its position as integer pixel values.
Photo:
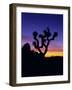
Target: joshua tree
(46, 38)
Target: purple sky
(38, 22)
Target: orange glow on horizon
(54, 53)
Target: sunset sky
(38, 22)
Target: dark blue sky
(38, 22)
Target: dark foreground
(34, 64)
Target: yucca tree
(46, 37)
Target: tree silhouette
(46, 38)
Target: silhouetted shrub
(45, 40)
